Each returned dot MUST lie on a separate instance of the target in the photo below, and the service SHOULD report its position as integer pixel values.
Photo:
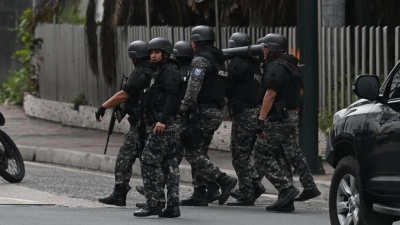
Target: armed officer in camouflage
(202, 106)
(130, 149)
(244, 78)
(161, 102)
(183, 52)
(277, 124)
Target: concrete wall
(84, 117)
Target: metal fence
(344, 53)
(347, 52)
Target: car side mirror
(366, 86)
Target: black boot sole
(303, 199)
(227, 191)
(239, 204)
(194, 204)
(140, 214)
(284, 209)
(140, 205)
(234, 195)
(258, 193)
(175, 213)
(170, 216)
(213, 198)
(288, 199)
(113, 203)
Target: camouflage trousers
(203, 170)
(298, 161)
(160, 167)
(267, 150)
(242, 143)
(126, 157)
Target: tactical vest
(214, 82)
(155, 96)
(133, 103)
(290, 92)
(247, 88)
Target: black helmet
(183, 49)
(275, 42)
(259, 41)
(239, 40)
(202, 33)
(160, 43)
(138, 49)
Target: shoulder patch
(197, 71)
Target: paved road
(52, 193)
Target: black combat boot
(241, 202)
(197, 199)
(143, 204)
(148, 211)
(170, 212)
(259, 189)
(285, 196)
(118, 197)
(235, 193)
(226, 183)
(286, 208)
(307, 194)
(213, 193)
(140, 189)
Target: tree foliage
(24, 79)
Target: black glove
(100, 112)
(260, 126)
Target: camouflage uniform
(281, 133)
(267, 150)
(126, 157)
(296, 158)
(207, 119)
(203, 170)
(244, 77)
(159, 163)
(242, 142)
(139, 79)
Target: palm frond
(118, 10)
(107, 42)
(91, 36)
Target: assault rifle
(117, 111)
(141, 124)
(142, 135)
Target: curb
(106, 163)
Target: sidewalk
(44, 141)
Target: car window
(395, 86)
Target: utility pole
(308, 42)
(148, 19)
(217, 26)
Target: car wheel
(345, 201)
(344, 198)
